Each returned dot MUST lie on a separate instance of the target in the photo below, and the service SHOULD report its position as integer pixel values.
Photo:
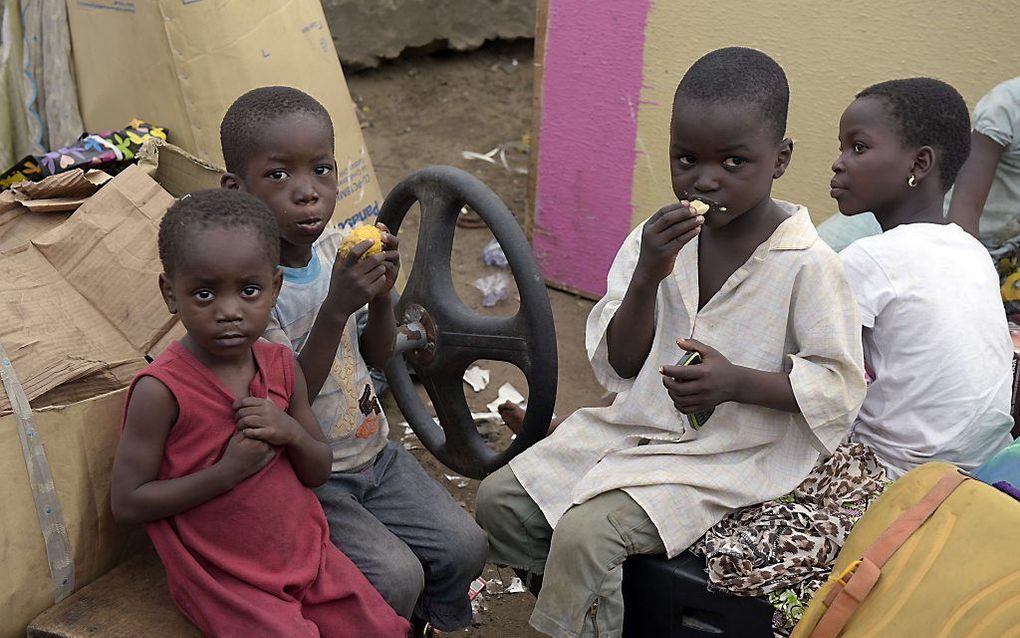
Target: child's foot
(512, 415)
(421, 628)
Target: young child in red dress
(220, 447)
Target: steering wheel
(442, 336)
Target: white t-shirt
(936, 345)
(347, 408)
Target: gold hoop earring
(912, 182)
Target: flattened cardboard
(58, 196)
(85, 295)
(181, 64)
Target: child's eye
(277, 175)
(686, 160)
(734, 162)
(323, 170)
(203, 295)
(250, 291)
(859, 148)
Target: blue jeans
(407, 535)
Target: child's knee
(468, 550)
(586, 531)
(491, 507)
(401, 582)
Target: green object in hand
(698, 419)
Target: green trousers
(580, 560)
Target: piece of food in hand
(699, 207)
(362, 233)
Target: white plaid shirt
(787, 309)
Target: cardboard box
(181, 64)
(80, 442)
(79, 309)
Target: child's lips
(713, 205)
(231, 339)
(313, 225)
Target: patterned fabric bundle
(784, 548)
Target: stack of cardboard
(81, 310)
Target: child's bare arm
(716, 380)
(379, 338)
(632, 329)
(136, 494)
(974, 182)
(297, 430)
(354, 282)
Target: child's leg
(387, 562)
(451, 548)
(519, 535)
(226, 606)
(583, 575)
(343, 604)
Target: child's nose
(706, 182)
(305, 192)
(229, 310)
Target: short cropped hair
(220, 208)
(739, 75)
(929, 112)
(244, 123)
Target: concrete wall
(366, 30)
(590, 193)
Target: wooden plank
(541, 30)
(131, 601)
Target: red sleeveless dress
(256, 561)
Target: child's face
(871, 171)
(223, 289)
(294, 173)
(723, 154)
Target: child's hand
(664, 234)
(696, 388)
(391, 255)
(356, 281)
(245, 456)
(261, 419)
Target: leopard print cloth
(785, 548)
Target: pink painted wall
(588, 132)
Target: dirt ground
(426, 110)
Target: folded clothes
(109, 150)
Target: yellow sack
(956, 576)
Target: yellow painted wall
(830, 51)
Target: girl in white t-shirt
(935, 338)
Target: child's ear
(924, 163)
(277, 283)
(167, 291)
(783, 158)
(230, 181)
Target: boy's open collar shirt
(787, 309)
